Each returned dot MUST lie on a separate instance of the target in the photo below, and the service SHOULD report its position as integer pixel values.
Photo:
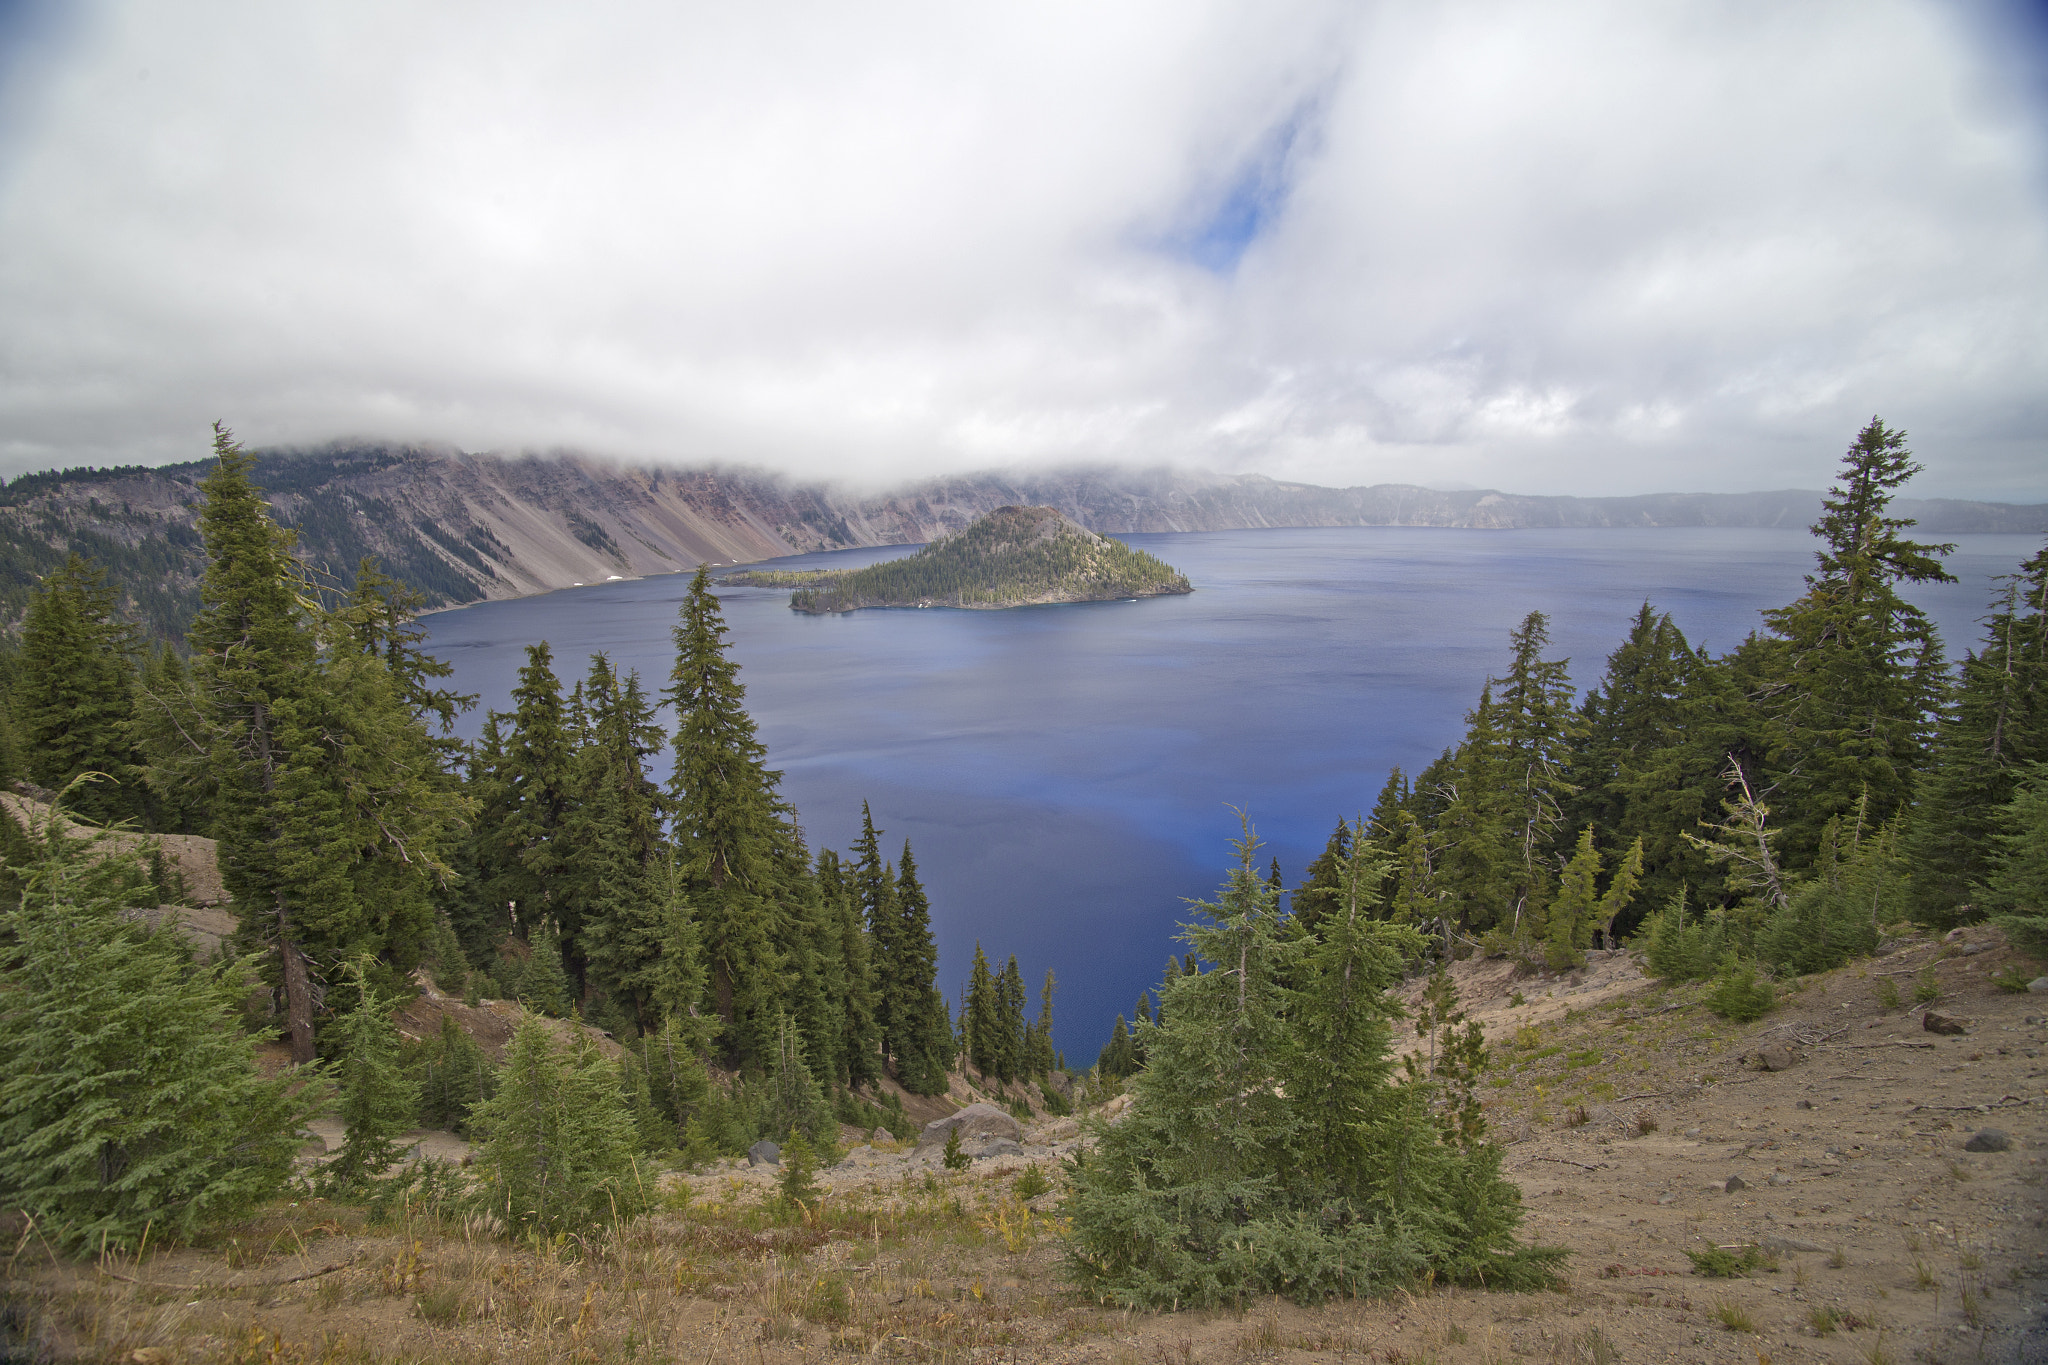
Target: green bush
(1834, 916)
(1270, 1149)
(129, 1099)
(558, 1142)
(1739, 995)
(1682, 948)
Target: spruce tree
(1994, 727)
(1571, 913)
(2016, 890)
(130, 1101)
(726, 818)
(1219, 1181)
(874, 887)
(1010, 1021)
(1857, 668)
(911, 1017)
(72, 695)
(859, 1052)
(522, 851)
(379, 1098)
(984, 1016)
(615, 828)
(558, 1146)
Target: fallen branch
(220, 1288)
(1859, 1047)
(1565, 1161)
(1646, 1095)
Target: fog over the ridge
(1572, 247)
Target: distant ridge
(466, 528)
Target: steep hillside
(465, 528)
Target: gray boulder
(1988, 1140)
(764, 1153)
(997, 1147)
(1941, 1023)
(881, 1135)
(1776, 1057)
(2038, 986)
(977, 1123)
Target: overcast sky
(1559, 247)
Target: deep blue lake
(1066, 775)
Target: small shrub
(1738, 995)
(1645, 1125)
(1032, 1183)
(796, 1180)
(1823, 1320)
(1926, 988)
(1733, 1317)
(1888, 994)
(1923, 1275)
(2012, 981)
(954, 1158)
(1837, 1258)
(1723, 1264)
(1516, 999)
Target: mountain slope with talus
(467, 527)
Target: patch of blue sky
(1220, 228)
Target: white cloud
(1573, 247)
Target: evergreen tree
(130, 1101)
(1537, 730)
(72, 695)
(859, 1053)
(1649, 765)
(2016, 891)
(727, 826)
(168, 715)
(1038, 1049)
(1838, 911)
(984, 1016)
(379, 1098)
(1995, 726)
(544, 985)
(874, 888)
(253, 647)
(1010, 1021)
(558, 1145)
(333, 824)
(1319, 890)
(453, 1076)
(1571, 913)
(622, 922)
(1857, 668)
(1216, 1185)
(923, 1040)
(523, 851)
(795, 1102)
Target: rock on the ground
(880, 1135)
(1775, 1057)
(997, 1147)
(977, 1123)
(1941, 1023)
(1988, 1140)
(764, 1153)
(2038, 986)
(1735, 1182)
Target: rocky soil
(1832, 1153)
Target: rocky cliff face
(463, 528)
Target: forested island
(1013, 557)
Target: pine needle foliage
(379, 1095)
(1269, 1149)
(130, 1102)
(2017, 891)
(558, 1139)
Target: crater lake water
(1068, 776)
